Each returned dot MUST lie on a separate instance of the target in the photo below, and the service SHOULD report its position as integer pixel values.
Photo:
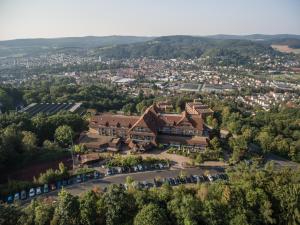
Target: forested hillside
(188, 47)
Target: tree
(51, 146)
(80, 149)
(64, 135)
(128, 108)
(185, 209)
(29, 140)
(289, 200)
(9, 214)
(119, 205)
(67, 210)
(88, 208)
(215, 144)
(140, 107)
(265, 139)
(151, 214)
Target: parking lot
(142, 177)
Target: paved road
(77, 189)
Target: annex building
(156, 127)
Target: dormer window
(107, 124)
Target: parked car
(145, 184)
(53, 187)
(70, 181)
(210, 177)
(31, 192)
(193, 178)
(96, 174)
(58, 184)
(38, 190)
(17, 196)
(78, 179)
(135, 168)
(140, 167)
(156, 183)
(23, 195)
(10, 199)
(46, 188)
(109, 172)
(188, 180)
(119, 169)
(64, 183)
(84, 177)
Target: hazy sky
(58, 18)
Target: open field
(286, 49)
(287, 78)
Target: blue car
(10, 199)
(64, 183)
(58, 184)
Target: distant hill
(178, 46)
(80, 42)
(292, 40)
(40, 45)
(188, 47)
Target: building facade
(155, 127)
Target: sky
(65, 18)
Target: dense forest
(275, 131)
(102, 97)
(23, 139)
(252, 196)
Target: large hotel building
(155, 127)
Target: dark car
(46, 188)
(53, 187)
(70, 181)
(96, 175)
(23, 195)
(78, 179)
(84, 177)
(188, 180)
(58, 184)
(64, 183)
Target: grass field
(286, 49)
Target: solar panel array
(47, 108)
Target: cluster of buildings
(267, 100)
(153, 128)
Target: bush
(53, 175)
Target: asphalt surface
(79, 188)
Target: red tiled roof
(113, 120)
(197, 122)
(170, 118)
(149, 119)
